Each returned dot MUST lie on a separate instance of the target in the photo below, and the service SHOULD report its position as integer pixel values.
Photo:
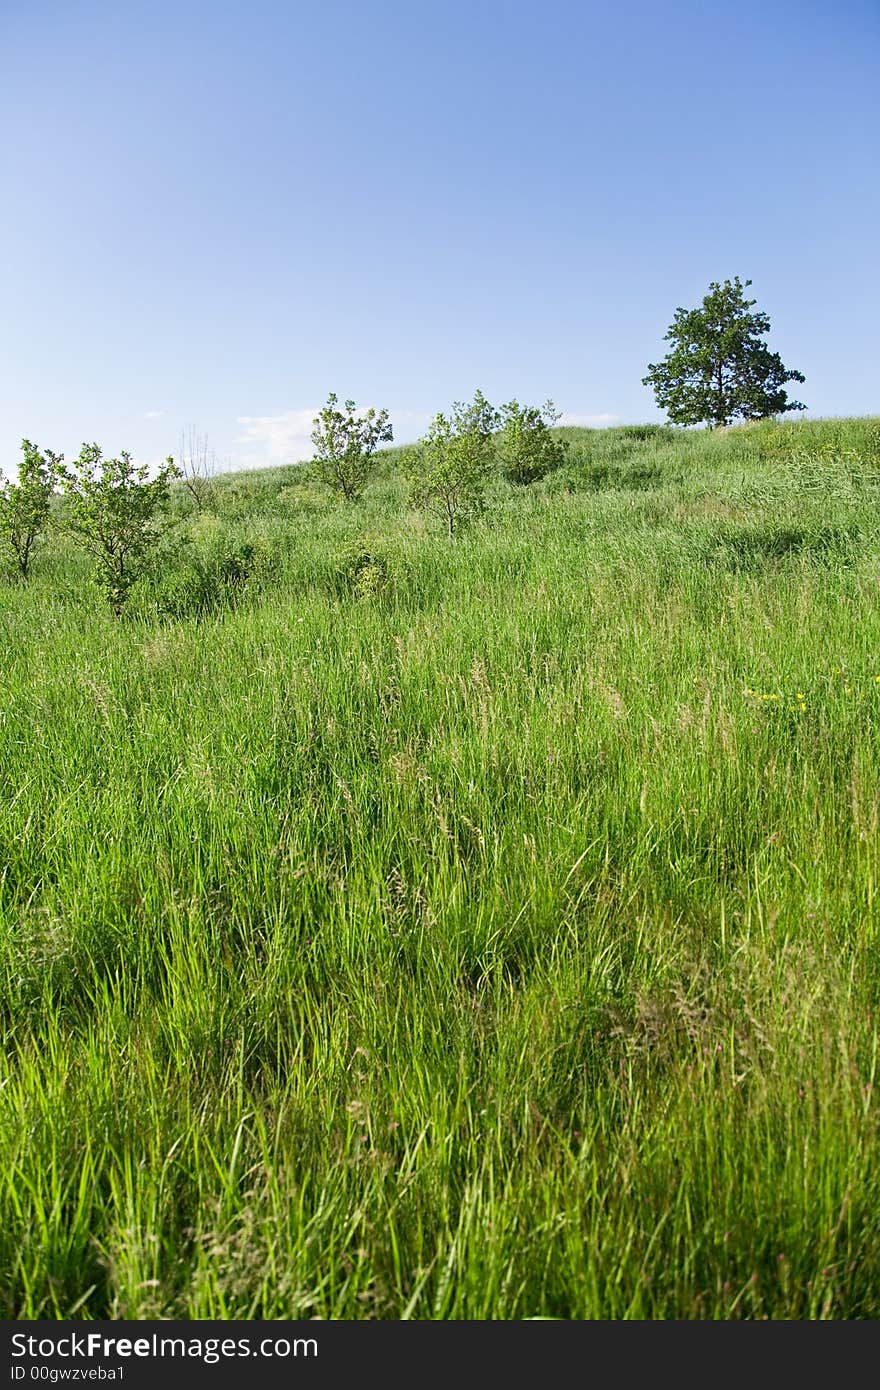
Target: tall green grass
(392, 928)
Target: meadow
(402, 927)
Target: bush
(24, 506)
(450, 469)
(118, 514)
(526, 448)
(642, 433)
(345, 445)
(207, 572)
(371, 567)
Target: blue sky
(215, 214)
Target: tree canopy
(719, 368)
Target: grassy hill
(392, 927)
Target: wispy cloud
(408, 425)
(276, 438)
(595, 422)
(153, 414)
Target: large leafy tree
(719, 368)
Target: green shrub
(450, 469)
(118, 514)
(371, 566)
(526, 448)
(24, 506)
(345, 445)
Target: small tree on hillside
(449, 470)
(476, 416)
(115, 510)
(197, 465)
(526, 448)
(24, 506)
(719, 368)
(345, 445)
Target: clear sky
(213, 214)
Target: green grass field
(393, 927)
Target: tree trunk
(720, 413)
